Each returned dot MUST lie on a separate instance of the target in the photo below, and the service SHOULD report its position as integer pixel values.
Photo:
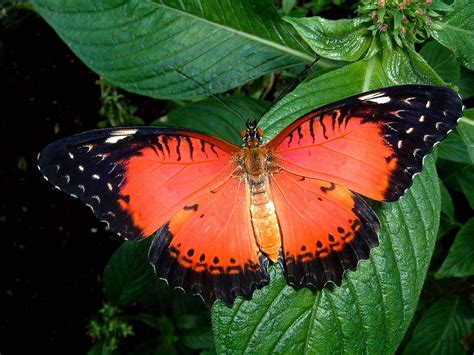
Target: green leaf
(459, 145)
(442, 60)
(466, 83)
(214, 118)
(129, 277)
(198, 339)
(141, 45)
(100, 349)
(447, 206)
(460, 259)
(448, 219)
(466, 131)
(456, 31)
(372, 309)
(459, 177)
(334, 39)
(441, 328)
(405, 66)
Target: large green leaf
(405, 66)
(460, 259)
(339, 40)
(459, 177)
(456, 31)
(129, 278)
(140, 45)
(442, 60)
(459, 145)
(372, 309)
(441, 328)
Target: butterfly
(221, 213)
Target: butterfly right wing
(136, 179)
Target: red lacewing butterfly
(220, 212)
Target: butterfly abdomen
(262, 210)
(264, 220)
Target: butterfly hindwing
(326, 229)
(208, 248)
(371, 143)
(135, 179)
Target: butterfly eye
(243, 134)
(260, 132)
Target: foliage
(142, 314)
(111, 329)
(115, 110)
(224, 47)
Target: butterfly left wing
(373, 143)
(208, 248)
(326, 229)
(136, 179)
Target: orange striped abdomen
(264, 220)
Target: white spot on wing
(400, 144)
(438, 124)
(381, 100)
(410, 130)
(370, 96)
(95, 197)
(81, 168)
(70, 155)
(68, 178)
(109, 186)
(422, 118)
(88, 146)
(428, 104)
(115, 139)
(82, 188)
(95, 176)
(119, 135)
(101, 156)
(408, 99)
(397, 113)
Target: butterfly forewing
(136, 179)
(372, 143)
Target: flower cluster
(406, 21)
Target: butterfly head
(251, 135)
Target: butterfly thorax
(256, 166)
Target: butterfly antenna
(234, 111)
(292, 85)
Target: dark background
(53, 250)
